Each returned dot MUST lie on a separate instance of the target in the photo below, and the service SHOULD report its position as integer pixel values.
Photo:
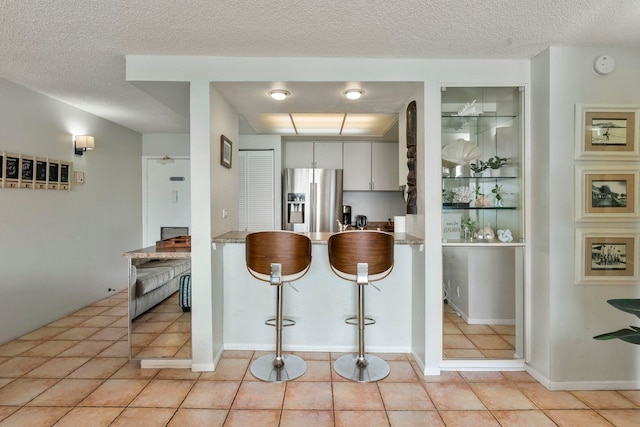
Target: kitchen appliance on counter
(361, 222)
(346, 215)
(312, 199)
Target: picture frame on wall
(607, 192)
(41, 173)
(606, 256)
(226, 151)
(607, 132)
(65, 170)
(11, 170)
(53, 174)
(27, 170)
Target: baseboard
(165, 363)
(482, 365)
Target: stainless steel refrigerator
(312, 199)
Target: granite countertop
(152, 252)
(316, 238)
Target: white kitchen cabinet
(298, 155)
(323, 155)
(327, 155)
(384, 166)
(370, 166)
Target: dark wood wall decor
(412, 135)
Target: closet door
(257, 190)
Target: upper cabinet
(482, 146)
(322, 155)
(370, 166)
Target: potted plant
(497, 192)
(630, 334)
(478, 167)
(468, 227)
(495, 163)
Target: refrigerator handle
(312, 211)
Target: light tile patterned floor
(76, 372)
(464, 341)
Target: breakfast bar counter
(319, 302)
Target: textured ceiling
(73, 50)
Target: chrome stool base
(376, 368)
(293, 367)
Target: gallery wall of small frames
(30, 172)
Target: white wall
(61, 250)
(165, 144)
(224, 181)
(577, 312)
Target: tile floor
(464, 341)
(75, 372)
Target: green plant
(447, 196)
(478, 166)
(468, 224)
(631, 334)
(497, 192)
(496, 162)
(478, 191)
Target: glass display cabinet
(483, 222)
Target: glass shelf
(480, 208)
(483, 178)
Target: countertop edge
(316, 238)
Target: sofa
(151, 282)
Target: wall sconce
(82, 143)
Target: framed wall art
(606, 132)
(226, 149)
(11, 170)
(41, 173)
(606, 256)
(27, 168)
(607, 192)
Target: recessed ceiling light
(279, 94)
(354, 93)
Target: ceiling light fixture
(354, 93)
(279, 94)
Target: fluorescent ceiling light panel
(368, 124)
(318, 124)
(271, 124)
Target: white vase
(495, 172)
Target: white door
(256, 198)
(167, 196)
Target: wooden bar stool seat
(361, 257)
(278, 257)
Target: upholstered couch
(153, 281)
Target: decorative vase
(495, 172)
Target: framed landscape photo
(226, 149)
(606, 192)
(606, 256)
(607, 132)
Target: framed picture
(606, 256)
(54, 174)
(606, 192)
(41, 173)
(27, 170)
(607, 132)
(11, 170)
(226, 149)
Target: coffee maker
(346, 215)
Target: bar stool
(361, 257)
(278, 257)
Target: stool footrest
(285, 322)
(354, 321)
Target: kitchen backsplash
(376, 205)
